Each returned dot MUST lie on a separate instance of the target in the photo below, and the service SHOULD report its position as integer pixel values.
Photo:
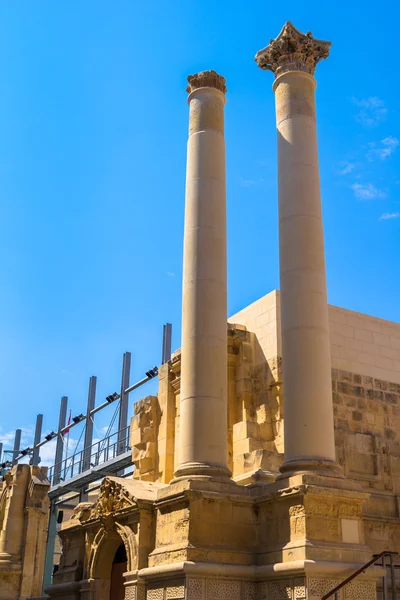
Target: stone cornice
(209, 79)
(292, 51)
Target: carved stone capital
(209, 79)
(292, 51)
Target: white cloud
(367, 191)
(386, 216)
(372, 111)
(387, 146)
(170, 274)
(346, 168)
(47, 451)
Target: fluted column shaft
(203, 405)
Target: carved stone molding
(112, 497)
(206, 79)
(292, 51)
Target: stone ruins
(268, 465)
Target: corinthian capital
(206, 79)
(292, 51)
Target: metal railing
(334, 593)
(90, 457)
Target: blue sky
(93, 127)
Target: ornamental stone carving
(130, 593)
(280, 590)
(206, 79)
(292, 51)
(175, 592)
(220, 589)
(112, 498)
(360, 589)
(195, 589)
(320, 587)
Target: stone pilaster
(309, 436)
(203, 401)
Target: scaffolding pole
(123, 406)
(17, 443)
(60, 440)
(50, 545)
(38, 434)
(166, 347)
(87, 444)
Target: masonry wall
(366, 396)
(359, 343)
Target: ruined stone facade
(226, 541)
(24, 506)
(266, 466)
(366, 398)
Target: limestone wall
(263, 318)
(366, 396)
(359, 343)
(365, 345)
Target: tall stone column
(307, 387)
(203, 419)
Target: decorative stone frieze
(280, 590)
(175, 592)
(320, 587)
(195, 588)
(130, 593)
(357, 589)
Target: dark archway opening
(119, 566)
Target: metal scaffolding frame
(73, 475)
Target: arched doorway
(119, 566)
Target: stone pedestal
(300, 536)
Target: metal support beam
(89, 423)
(50, 544)
(38, 434)
(60, 440)
(123, 406)
(166, 347)
(111, 399)
(17, 443)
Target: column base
(203, 471)
(322, 466)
